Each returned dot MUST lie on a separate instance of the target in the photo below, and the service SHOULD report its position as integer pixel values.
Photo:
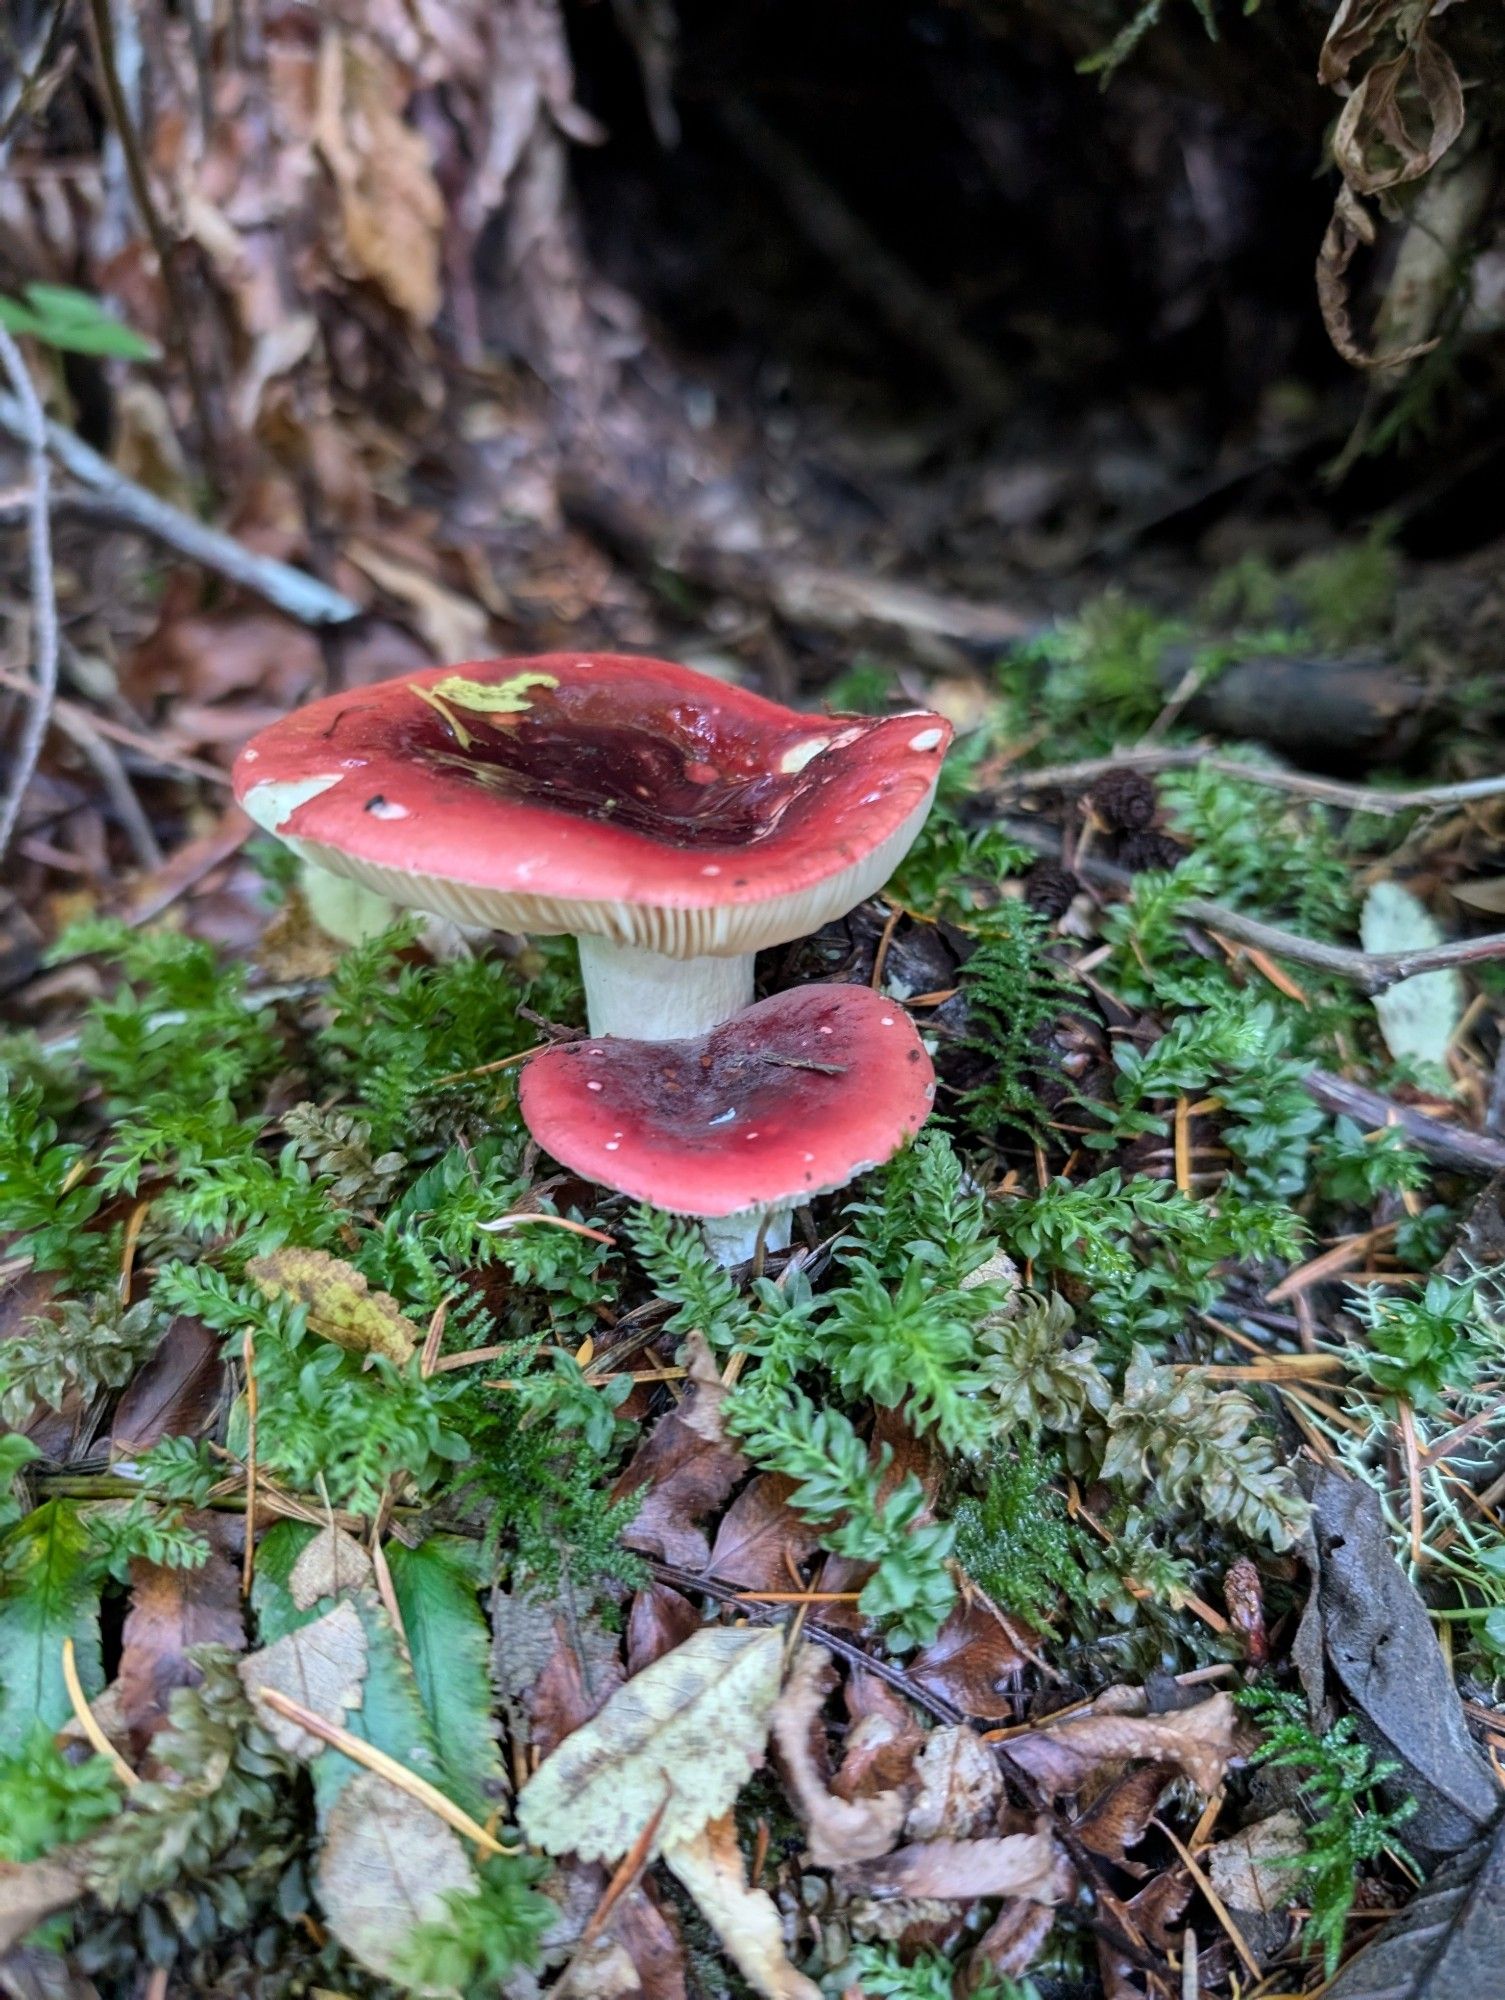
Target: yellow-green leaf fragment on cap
(341, 1305)
(507, 697)
(685, 1734)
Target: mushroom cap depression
(599, 795)
(792, 1098)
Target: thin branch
(1371, 971)
(1324, 791)
(121, 500)
(156, 756)
(32, 429)
(1449, 1145)
(73, 723)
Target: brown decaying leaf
(1203, 1740)
(838, 1831)
(746, 1920)
(660, 1620)
(332, 1565)
(1016, 1864)
(31, 1891)
(385, 1865)
(1250, 1870)
(972, 1663)
(321, 1665)
(640, 1957)
(883, 1741)
(705, 1392)
(682, 1476)
(171, 1610)
(341, 1305)
(176, 1393)
(1009, 1946)
(761, 1541)
(582, 1673)
(959, 1786)
(1120, 1814)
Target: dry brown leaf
(746, 1920)
(660, 1620)
(1202, 1740)
(705, 1392)
(1118, 1817)
(455, 626)
(883, 1741)
(972, 1663)
(1251, 1870)
(839, 1831)
(341, 1305)
(681, 1476)
(646, 1961)
(1009, 1946)
(960, 1786)
(176, 1393)
(386, 1865)
(761, 1540)
(582, 1672)
(680, 1740)
(30, 1892)
(390, 204)
(172, 1610)
(1017, 1864)
(1374, 144)
(332, 1565)
(321, 1666)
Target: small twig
(289, 590)
(163, 758)
(248, 1352)
(1323, 791)
(31, 428)
(1371, 971)
(88, 1722)
(79, 728)
(1448, 1145)
(362, 1752)
(504, 1223)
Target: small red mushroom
(673, 824)
(792, 1098)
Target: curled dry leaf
(1119, 1816)
(333, 1565)
(1203, 1740)
(341, 1305)
(684, 1735)
(761, 1540)
(386, 1865)
(839, 1831)
(746, 1920)
(1009, 1946)
(1017, 1864)
(960, 1786)
(660, 1620)
(706, 1393)
(682, 1475)
(881, 1744)
(322, 1666)
(973, 1663)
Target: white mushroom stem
(651, 998)
(733, 1239)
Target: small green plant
(485, 1933)
(1014, 1538)
(1338, 1777)
(883, 1974)
(46, 1801)
(1421, 1347)
(74, 322)
(1015, 991)
(83, 1346)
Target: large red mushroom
(673, 824)
(791, 1099)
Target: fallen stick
(1448, 1145)
(128, 505)
(31, 428)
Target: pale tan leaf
(960, 1786)
(453, 625)
(1251, 1870)
(385, 1866)
(31, 1891)
(839, 1831)
(1203, 1740)
(333, 1565)
(341, 1305)
(321, 1666)
(1019, 1864)
(746, 1920)
(685, 1735)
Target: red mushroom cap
(621, 797)
(792, 1098)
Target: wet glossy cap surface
(794, 1097)
(597, 793)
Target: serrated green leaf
(451, 1654)
(49, 1597)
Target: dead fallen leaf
(175, 1394)
(1251, 1871)
(172, 1610)
(705, 1392)
(960, 1786)
(746, 1920)
(455, 627)
(332, 1565)
(684, 1735)
(839, 1831)
(582, 1672)
(1016, 1864)
(761, 1541)
(1009, 1946)
(1202, 1740)
(681, 1476)
(341, 1305)
(883, 1741)
(660, 1620)
(972, 1663)
(30, 1892)
(385, 1865)
(322, 1666)
(643, 1959)
(1119, 1816)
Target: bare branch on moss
(31, 427)
(1385, 803)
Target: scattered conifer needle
(361, 1752)
(1215, 1902)
(626, 1873)
(505, 1222)
(1341, 1256)
(86, 1721)
(486, 1069)
(880, 956)
(248, 1352)
(1182, 1130)
(1413, 1479)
